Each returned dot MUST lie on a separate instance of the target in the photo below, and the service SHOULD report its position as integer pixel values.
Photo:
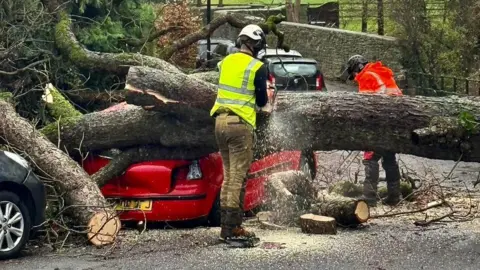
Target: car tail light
(190, 172)
(271, 79)
(319, 82)
(194, 171)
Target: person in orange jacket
(375, 78)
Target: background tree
(441, 43)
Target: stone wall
(331, 47)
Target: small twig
(425, 223)
(22, 69)
(409, 212)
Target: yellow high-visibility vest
(236, 90)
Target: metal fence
(424, 84)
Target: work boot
(392, 176)
(237, 232)
(370, 184)
(238, 237)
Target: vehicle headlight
(17, 158)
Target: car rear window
(302, 69)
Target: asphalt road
(394, 245)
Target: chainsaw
(271, 101)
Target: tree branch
(268, 26)
(152, 37)
(114, 62)
(24, 68)
(133, 155)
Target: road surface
(380, 246)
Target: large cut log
(315, 224)
(347, 212)
(89, 207)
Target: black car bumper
(37, 190)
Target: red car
(176, 190)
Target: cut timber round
(314, 224)
(103, 229)
(347, 212)
(362, 212)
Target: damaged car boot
(370, 184)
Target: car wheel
(307, 164)
(215, 215)
(15, 225)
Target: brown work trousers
(235, 139)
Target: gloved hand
(270, 94)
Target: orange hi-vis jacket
(376, 78)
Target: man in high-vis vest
(242, 89)
(375, 78)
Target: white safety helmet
(255, 33)
(252, 31)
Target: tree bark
(58, 106)
(87, 96)
(178, 88)
(346, 211)
(352, 121)
(132, 127)
(89, 207)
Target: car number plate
(144, 205)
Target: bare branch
(23, 69)
(152, 37)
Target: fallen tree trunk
(351, 121)
(89, 207)
(338, 120)
(347, 212)
(132, 127)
